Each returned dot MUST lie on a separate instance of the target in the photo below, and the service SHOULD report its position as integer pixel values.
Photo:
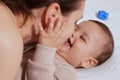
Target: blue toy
(103, 15)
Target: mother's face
(70, 20)
(53, 11)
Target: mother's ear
(53, 11)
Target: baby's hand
(52, 36)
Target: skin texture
(86, 42)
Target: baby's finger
(42, 31)
(60, 31)
(58, 25)
(50, 26)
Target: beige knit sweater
(45, 65)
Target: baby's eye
(82, 38)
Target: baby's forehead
(86, 23)
(91, 28)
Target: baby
(90, 45)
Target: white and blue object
(103, 15)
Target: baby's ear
(89, 62)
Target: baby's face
(85, 42)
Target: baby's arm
(41, 67)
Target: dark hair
(24, 6)
(66, 6)
(108, 47)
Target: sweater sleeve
(41, 67)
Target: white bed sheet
(110, 70)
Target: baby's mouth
(67, 45)
(69, 42)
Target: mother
(18, 27)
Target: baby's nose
(76, 34)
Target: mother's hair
(24, 7)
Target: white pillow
(110, 70)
